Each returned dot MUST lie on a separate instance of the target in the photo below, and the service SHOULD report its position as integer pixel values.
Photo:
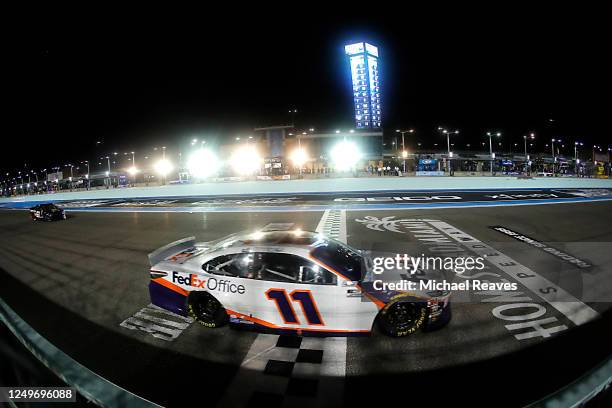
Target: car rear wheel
(402, 318)
(206, 310)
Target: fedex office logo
(191, 280)
(221, 285)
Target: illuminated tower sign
(363, 58)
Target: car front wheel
(206, 310)
(402, 318)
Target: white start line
(159, 323)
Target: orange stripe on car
(274, 326)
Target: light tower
(363, 61)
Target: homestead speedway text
(472, 196)
(522, 311)
(432, 285)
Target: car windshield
(340, 257)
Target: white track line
(572, 308)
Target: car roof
(271, 238)
(44, 205)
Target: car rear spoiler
(171, 249)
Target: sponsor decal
(540, 245)
(147, 203)
(522, 196)
(189, 280)
(595, 192)
(387, 199)
(218, 285)
(223, 285)
(245, 201)
(181, 256)
(83, 203)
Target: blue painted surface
(300, 208)
(323, 186)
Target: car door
(303, 295)
(286, 291)
(294, 297)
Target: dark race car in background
(47, 212)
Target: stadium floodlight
(245, 160)
(299, 157)
(203, 163)
(345, 155)
(163, 167)
(132, 170)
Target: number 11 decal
(304, 298)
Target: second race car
(47, 212)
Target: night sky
(143, 81)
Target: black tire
(206, 310)
(401, 318)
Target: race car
(286, 282)
(47, 212)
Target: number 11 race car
(290, 282)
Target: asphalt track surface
(76, 281)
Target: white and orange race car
(286, 282)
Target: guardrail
(89, 384)
(580, 391)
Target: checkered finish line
(333, 224)
(291, 371)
